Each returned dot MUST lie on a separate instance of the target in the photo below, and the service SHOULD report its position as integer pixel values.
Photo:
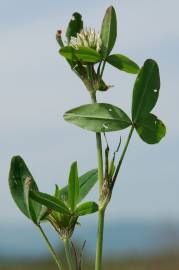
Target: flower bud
(59, 38)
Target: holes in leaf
(155, 91)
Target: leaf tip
(16, 158)
(76, 15)
(111, 8)
(74, 163)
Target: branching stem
(122, 156)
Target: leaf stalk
(68, 254)
(52, 251)
(122, 156)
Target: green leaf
(87, 55)
(146, 90)
(50, 201)
(73, 186)
(44, 214)
(86, 183)
(151, 129)
(45, 210)
(123, 63)
(19, 173)
(27, 186)
(101, 117)
(83, 54)
(75, 26)
(108, 31)
(111, 169)
(57, 191)
(86, 208)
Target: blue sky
(37, 87)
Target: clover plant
(87, 53)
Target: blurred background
(37, 87)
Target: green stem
(52, 251)
(99, 243)
(99, 152)
(122, 156)
(68, 254)
(100, 161)
(102, 70)
(101, 213)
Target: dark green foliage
(123, 63)
(86, 183)
(99, 117)
(86, 208)
(73, 187)
(20, 175)
(146, 90)
(50, 202)
(75, 26)
(108, 31)
(151, 129)
(83, 54)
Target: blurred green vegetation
(159, 263)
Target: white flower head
(86, 38)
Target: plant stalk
(122, 156)
(68, 254)
(100, 161)
(99, 243)
(52, 251)
(101, 213)
(102, 70)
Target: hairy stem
(101, 213)
(52, 251)
(68, 254)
